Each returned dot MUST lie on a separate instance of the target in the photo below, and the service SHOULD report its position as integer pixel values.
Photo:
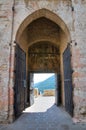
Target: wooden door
(68, 89)
(58, 90)
(20, 81)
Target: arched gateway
(42, 45)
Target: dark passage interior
(43, 58)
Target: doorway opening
(43, 58)
(44, 84)
(41, 41)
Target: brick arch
(46, 14)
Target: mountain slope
(46, 84)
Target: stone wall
(49, 92)
(5, 41)
(73, 13)
(79, 58)
(26, 7)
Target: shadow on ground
(51, 118)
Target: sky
(41, 77)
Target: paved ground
(44, 115)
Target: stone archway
(43, 26)
(46, 14)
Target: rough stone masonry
(12, 14)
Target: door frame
(58, 82)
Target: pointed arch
(46, 14)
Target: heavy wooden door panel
(68, 81)
(58, 90)
(20, 81)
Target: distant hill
(46, 84)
